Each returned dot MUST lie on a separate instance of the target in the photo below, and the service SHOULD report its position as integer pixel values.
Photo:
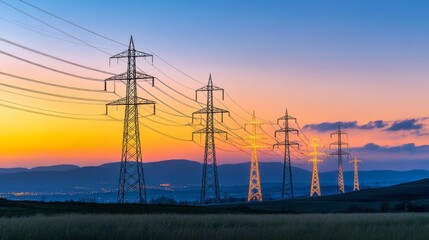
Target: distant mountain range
(177, 172)
(62, 167)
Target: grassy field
(218, 226)
(407, 197)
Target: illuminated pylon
(355, 163)
(287, 184)
(210, 182)
(340, 153)
(255, 191)
(315, 183)
(131, 177)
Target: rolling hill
(178, 172)
(410, 196)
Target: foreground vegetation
(218, 226)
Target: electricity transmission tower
(210, 182)
(287, 186)
(131, 177)
(255, 191)
(340, 153)
(355, 163)
(315, 183)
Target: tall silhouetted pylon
(131, 176)
(287, 183)
(210, 181)
(340, 153)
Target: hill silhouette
(178, 172)
(410, 196)
(407, 197)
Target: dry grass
(173, 226)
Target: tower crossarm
(288, 143)
(209, 88)
(342, 153)
(339, 132)
(286, 118)
(288, 130)
(215, 110)
(355, 161)
(132, 51)
(252, 123)
(339, 143)
(124, 77)
(205, 131)
(123, 102)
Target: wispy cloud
(331, 126)
(406, 125)
(409, 148)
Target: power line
(50, 84)
(174, 90)
(52, 94)
(59, 30)
(171, 65)
(124, 45)
(49, 68)
(172, 108)
(47, 110)
(299, 127)
(74, 24)
(33, 29)
(177, 100)
(51, 100)
(120, 44)
(53, 57)
(166, 135)
(172, 79)
(50, 115)
(110, 39)
(165, 124)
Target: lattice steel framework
(255, 191)
(340, 153)
(355, 163)
(210, 182)
(131, 176)
(315, 183)
(287, 183)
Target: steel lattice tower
(355, 163)
(210, 182)
(315, 183)
(287, 184)
(255, 191)
(340, 153)
(131, 177)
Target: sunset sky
(362, 63)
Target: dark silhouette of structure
(131, 177)
(287, 186)
(340, 153)
(210, 182)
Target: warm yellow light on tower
(315, 183)
(255, 191)
(355, 163)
